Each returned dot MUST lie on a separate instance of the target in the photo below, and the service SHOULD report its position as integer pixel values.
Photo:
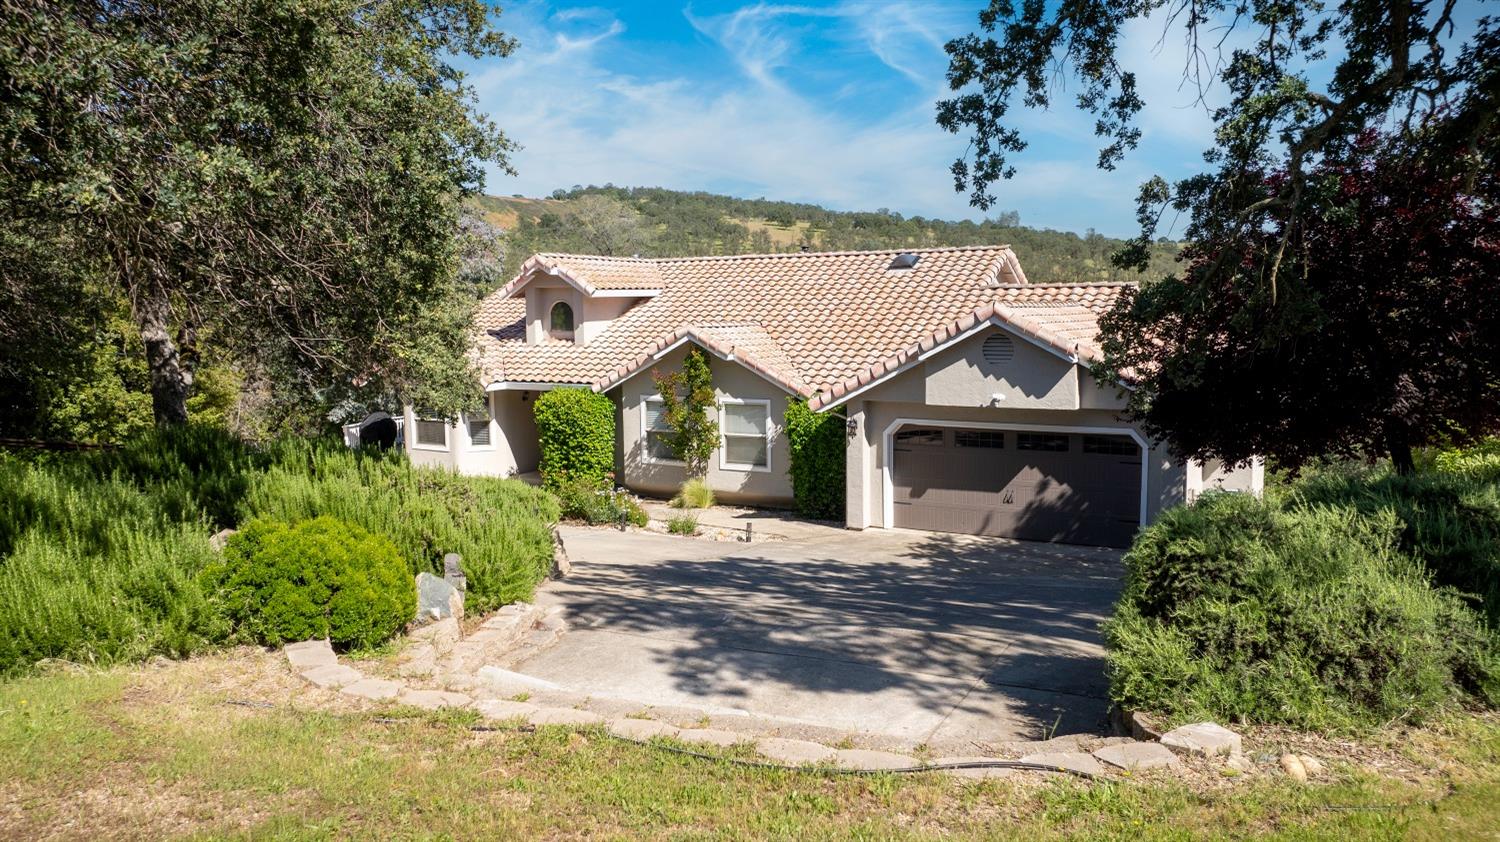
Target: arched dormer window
(560, 323)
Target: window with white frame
(746, 430)
(432, 433)
(478, 421)
(656, 430)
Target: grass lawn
(163, 750)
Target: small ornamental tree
(576, 428)
(687, 396)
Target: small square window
(432, 433)
(479, 428)
(1048, 442)
(746, 428)
(658, 431)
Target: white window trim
(646, 439)
(724, 463)
(416, 443)
(489, 422)
(887, 446)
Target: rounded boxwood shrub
(576, 428)
(1242, 610)
(281, 582)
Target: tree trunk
(171, 375)
(1399, 442)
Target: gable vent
(904, 260)
(998, 349)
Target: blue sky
(824, 102)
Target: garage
(1068, 486)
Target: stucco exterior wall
(513, 447)
(1040, 389)
(771, 486)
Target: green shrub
(91, 572)
(1449, 522)
(1480, 463)
(576, 428)
(685, 524)
(817, 442)
(191, 472)
(501, 527)
(694, 494)
(595, 502)
(281, 582)
(1239, 609)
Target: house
(965, 391)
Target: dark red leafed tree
(1382, 332)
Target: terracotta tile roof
(812, 321)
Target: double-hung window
(746, 430)
(657, 431)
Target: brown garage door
(1031, 485)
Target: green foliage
(595, 502)
(1244, 610)
(818, 445)
(100, 552)
(683, 524)
(196, 154)
(672, 223)
(92, 571)
(321, 578)
(1480, 463)
(687, 396)
(576, 428)
(1449, 521)
(694, 494)
(501, 528)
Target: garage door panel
(1088, 493)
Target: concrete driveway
(922, 637)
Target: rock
(1239, 763)
(332, 675)
(793, 752)
(310, 653)
(1313, 765)
(220, 539)
(1142, 726)
(1292, 764)
(503, 709)
(561, 566)
(1072, 761)
(1136, 757)
(564, 716)
(432, 699)
(453, 572)
(859, 758)
(437, 599)
(978, 773)
(711, 737)
(641, 729)
(442, 634)
(507, 681)
(1206, 738)
(372, 688)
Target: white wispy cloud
(585, 116)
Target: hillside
(657, 222)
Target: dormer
(574, 298)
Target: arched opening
(560, 324)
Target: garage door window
(992, 439)
(746, 426)
(1048, 442)
(1110, 446)
(920, 436)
